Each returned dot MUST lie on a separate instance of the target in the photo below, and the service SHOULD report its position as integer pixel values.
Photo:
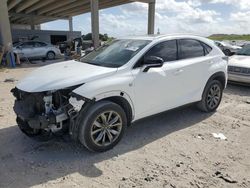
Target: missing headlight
(77, 104)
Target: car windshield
(116, 53)
(222, 43)
(244, 51)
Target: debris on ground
(124, 179)
(148, 178)
(199, 136)
(219, 136)
(172, 185)
(10, 80)
(226, 177)
(234, 126)
(179, 163)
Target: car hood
(62, 75)
(239, 61)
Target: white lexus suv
(96, 98)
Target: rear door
(192, 69)
(40, 49)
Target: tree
(101, 37)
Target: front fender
(112, 86)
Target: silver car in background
(239, 66)
(227, 48)
(36, 49)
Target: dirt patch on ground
(172, 149)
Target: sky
(202, 17)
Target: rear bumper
(239, 78)
(59, 55)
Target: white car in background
(227, 48)
(96, 98)
(239, 66)
(36, 49)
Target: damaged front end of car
(48, 111)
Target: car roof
(21, 42)
(34, 41)
(157, 36)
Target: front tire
(102, 126)
(227, 52)
(51, 55)
(211, 96)
(36, 134)
(26, 129)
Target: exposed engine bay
(50, 111)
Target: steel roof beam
(38, 5)
(24, 5)
(13, 3)
(77, 4)
(102, 5)
(54, 6)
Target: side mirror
(152, 62)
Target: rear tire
(211, 96)
(102, 126)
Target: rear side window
(28, 45)
(39, 44)
(207, 48)
(189, 48)
(166, 50)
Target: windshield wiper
(89, 62)
(100, 64)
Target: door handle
(178, 71)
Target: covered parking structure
(35, 12)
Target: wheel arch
(120, 98)
(49, 52)
(220, 76)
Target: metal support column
(70, 28)
(32, 25)
(70, 24)
(5, 30)
(151, 17)
(95, 22)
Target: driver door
(155, 90)
(27, 50)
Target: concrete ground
(172, 149)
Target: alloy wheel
(51, 55)
(106, 128)
(213, 97)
